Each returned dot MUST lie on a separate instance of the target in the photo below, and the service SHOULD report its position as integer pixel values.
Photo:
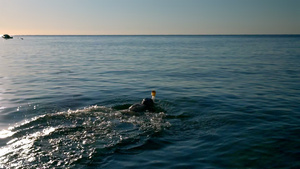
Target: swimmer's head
(153, 93)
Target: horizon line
(156, 34)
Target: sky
(148, 17)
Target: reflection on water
(73, 138)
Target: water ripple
(74, 138)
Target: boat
(6, 36)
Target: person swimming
(146, 104)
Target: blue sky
(102, 17)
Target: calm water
(224, 102)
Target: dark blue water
(223, 102)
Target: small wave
(62, 71)
(75, 137)
(5, 133)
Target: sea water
(224, 101)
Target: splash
(5, 133)
(76, 137)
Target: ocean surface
(222, 102)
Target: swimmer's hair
(153, 93)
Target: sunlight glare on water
(66, 137)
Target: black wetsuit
(147, 104)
